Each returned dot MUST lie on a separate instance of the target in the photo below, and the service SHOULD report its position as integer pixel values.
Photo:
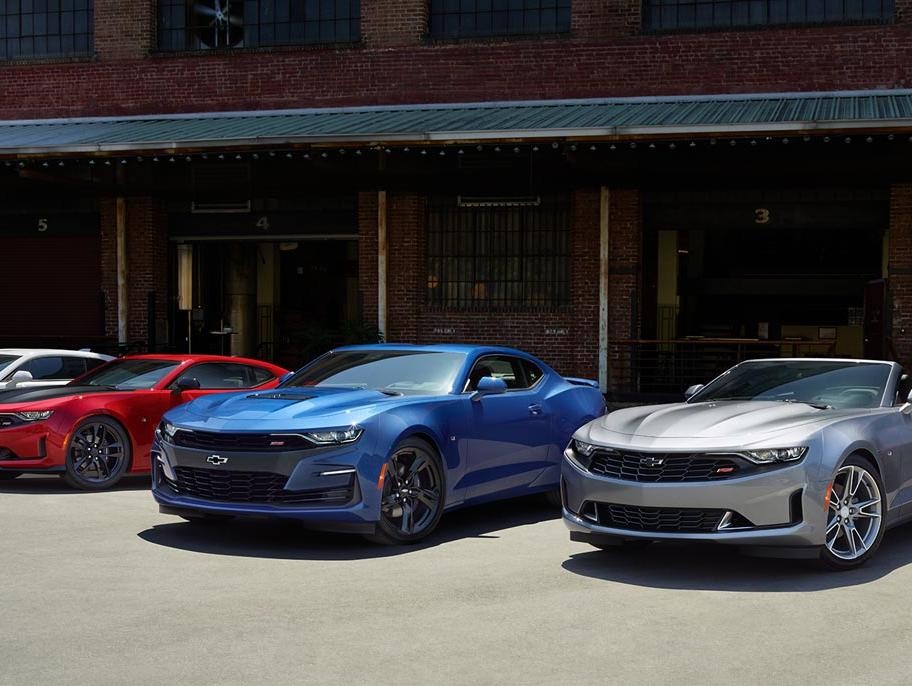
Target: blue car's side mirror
(488, 385)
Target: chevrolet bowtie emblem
(651, 462)
(216, 459)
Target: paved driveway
(100, 588)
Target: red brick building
(638, 191)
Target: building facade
(642, 192)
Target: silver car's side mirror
(692, 391)
(907, 408)
(21, 376)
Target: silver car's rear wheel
(855, 518)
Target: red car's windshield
(127, 374)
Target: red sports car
(100, 426)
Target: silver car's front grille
(666, 467)
(657, 519)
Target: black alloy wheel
(413, 493)
(98, 454)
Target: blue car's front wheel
(413, 494)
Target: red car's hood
(47, 397)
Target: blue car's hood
(298, 408)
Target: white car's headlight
(35, 415)
(335, 436)
(771, 455)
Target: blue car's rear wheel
(412, 499)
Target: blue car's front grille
(228, 486)
(666, 467)
(241, 442)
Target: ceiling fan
(217, 25)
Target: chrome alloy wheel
(411, 492)
(96, 453)
(855, 513)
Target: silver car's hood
(711, 424)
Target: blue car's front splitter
(355, 518)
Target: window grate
(223, 24)
(498, 258)
(665, 15)
(45, 28)
(479, 18)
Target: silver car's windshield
(822, 383)
(391, 371)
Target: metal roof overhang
(880, 111)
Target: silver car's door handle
(535, 409)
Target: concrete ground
(98, 588)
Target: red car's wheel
(98, 454)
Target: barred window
(477, 18)
(661, 15)
(498, 258)
(45, 28)
(213, 24)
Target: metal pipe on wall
(604, 284)
(382, 248)
(120, 228)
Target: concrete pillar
(240, 297)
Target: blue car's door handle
(535, 409)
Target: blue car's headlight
(335, 436)
(772, 455)
(166, 430)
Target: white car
(23, 367)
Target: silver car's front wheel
(855, 515)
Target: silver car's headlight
(771, 455)
(335, 436)
(581, 452)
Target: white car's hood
(711, 424)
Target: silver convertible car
(798, 457)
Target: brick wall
(624, 313)
(147, 265)
(392, 23)
(567, 339)
(900, 270)
(603, 56)
(124, 30)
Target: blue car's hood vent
(279, 395)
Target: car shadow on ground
(290, 541)
(708, 567)
(53, 484)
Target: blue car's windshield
(391, 371)
(824, 383)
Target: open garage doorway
(731, 275)
(286, 301)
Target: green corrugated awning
(521, 120)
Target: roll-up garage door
(50, 277)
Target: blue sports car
(377, 440)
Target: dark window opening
(221, 24)
(498, 258)
(479, 18)
(670, 15)
(45, 28)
